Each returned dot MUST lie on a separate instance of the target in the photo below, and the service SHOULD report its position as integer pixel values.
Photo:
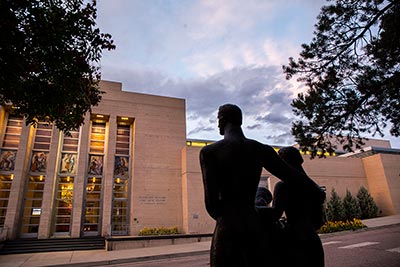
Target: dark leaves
(47, 55)
(351, 68)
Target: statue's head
(229, 113)
(292, 156)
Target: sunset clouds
(211, 53)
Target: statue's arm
(280, 198)
(211, 193)
(279, 168)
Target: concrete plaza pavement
(102, 257)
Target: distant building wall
(383, 171)
(195, 216)
(378, 173)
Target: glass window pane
(13, 130)
(90, 228)
(4, 194)
(63, 211)
(3, 211)
(3, 203)
(62, 228)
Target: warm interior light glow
(68, 178)
(67, 193)
(12, 176)
(93, 179)
(118, 180)
(41, 178)
(124, 118)
(99, 116)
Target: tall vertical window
(65, 184)
(63, 205)
(120, 203)
(35, 181)
(32, 206)
(94, 178)
(12, 133)
(8, 153)
(5, 187)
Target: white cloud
(278, 51)
(259, 91)
(212, 52)
(224, 18)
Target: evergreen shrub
(351, 207)
(335, 210)
(368, 207)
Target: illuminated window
(120, 204)
(5, 188)
(12, 132)
(94, 176)
(64, 191)
(32, 206)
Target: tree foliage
(351, 70)
(368, 207)
(49, 56)
(351, 207)
(335, 210)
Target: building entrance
(32, 206)
(63, 206)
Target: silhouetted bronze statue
(231, 171)
(304, 217)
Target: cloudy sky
(212, 52)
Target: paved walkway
(101, 257)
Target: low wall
(130, 242)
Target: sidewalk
(101, 257)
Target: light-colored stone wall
(336, 173)
(383, 171)
(339, 173)
(378, 173)
(391, 164)
(196, 218)
(159, 135)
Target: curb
(132, 260)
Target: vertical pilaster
(16, 197)
(79, 184)
(108, 176)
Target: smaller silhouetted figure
(274, 229)
(263, 197)
(302, 245)
(267, 214)
(274, 236)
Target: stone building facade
(375, 168)
(130, 166)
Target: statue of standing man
(231, 171)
